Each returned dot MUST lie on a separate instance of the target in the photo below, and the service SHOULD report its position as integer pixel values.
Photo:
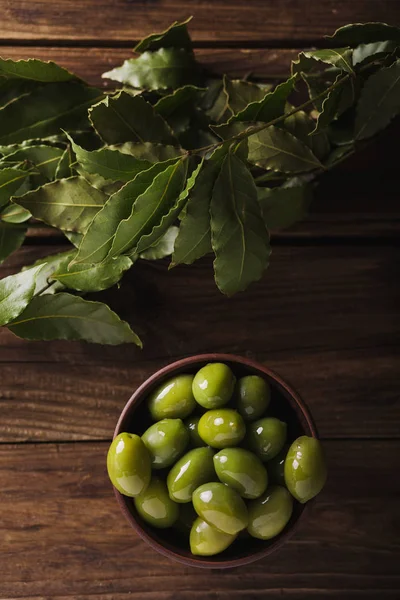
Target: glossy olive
(221, 507)
(305, 468)
(213, 385)
(193, 469)
(252, 395)
(155, 506)
(267, 437)
(241, 470)
(166, 441)
(129, 464)
(173, 399)
(276, 466)
(206, 540)
(221, 428)
(192, 425)
(270, 514)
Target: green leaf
(337, 101)
(276, 149)
(241, 93)
(34, 70)
(64, 168)
(150, 152)
(75, 238)
(150, 207)
(300, 125)
(49, 265)
(16, 291)
(178, 108)
(163, 247)
(239, 237)
(194, 238)
(45, 158)
(97, 181)
(11, 89)
(93, 278)
(176, 36)
(215, 101)
(364, 33)
(167, 219)
(365, 53)
(379, 101)
(46, 110)
(14, 214)
(125, 118)
(338, 154)
(165, 68)
(110, 164)
(67, 317)
(69, 204)
(271, 107)
(98, 240)
(11, 238)
(282, 207)
(10, 181)
(341, 58)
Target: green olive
(155, 506)
(205, 540)
(221, 507)
(129, 464)
(213, 385)
(192, 425)
(165, 441)
(253, 395)
(221, 428)
(241, 470)
(193, 469)
(270, 514)
(305, 468)
(173, 399)
(276, 467)
(267, 437)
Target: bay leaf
(364, 33)
(163, 247)
(148, 151)
(14, 214)
(93, 278)
(125, 118)
(99, 237)
(242, 93)
(46, 110)
(44, 157)
(66, 317)
(150, 207)
(341, 58)
(64, 168)
(157, 70)
(110, 164)
(16, 291)
(168, 218)
(10, 181)
(276, 149)
(365, 53)
(379, 101)
(34, 70)
(176, 36)
(68, 204)
(300, 125)
(239, 237)
(282, 207)
(49, 265)
(11, 238)
(271, 107)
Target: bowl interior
(285, 405)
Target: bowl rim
(297, 404)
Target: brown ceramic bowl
(286, 404)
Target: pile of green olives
(214, 462)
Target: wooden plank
(215, 21)
(324, 316)
(63, 536)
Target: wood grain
(64, 536)
(324, 316)
(218, 21)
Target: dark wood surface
(325, 316)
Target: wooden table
(326, 316)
